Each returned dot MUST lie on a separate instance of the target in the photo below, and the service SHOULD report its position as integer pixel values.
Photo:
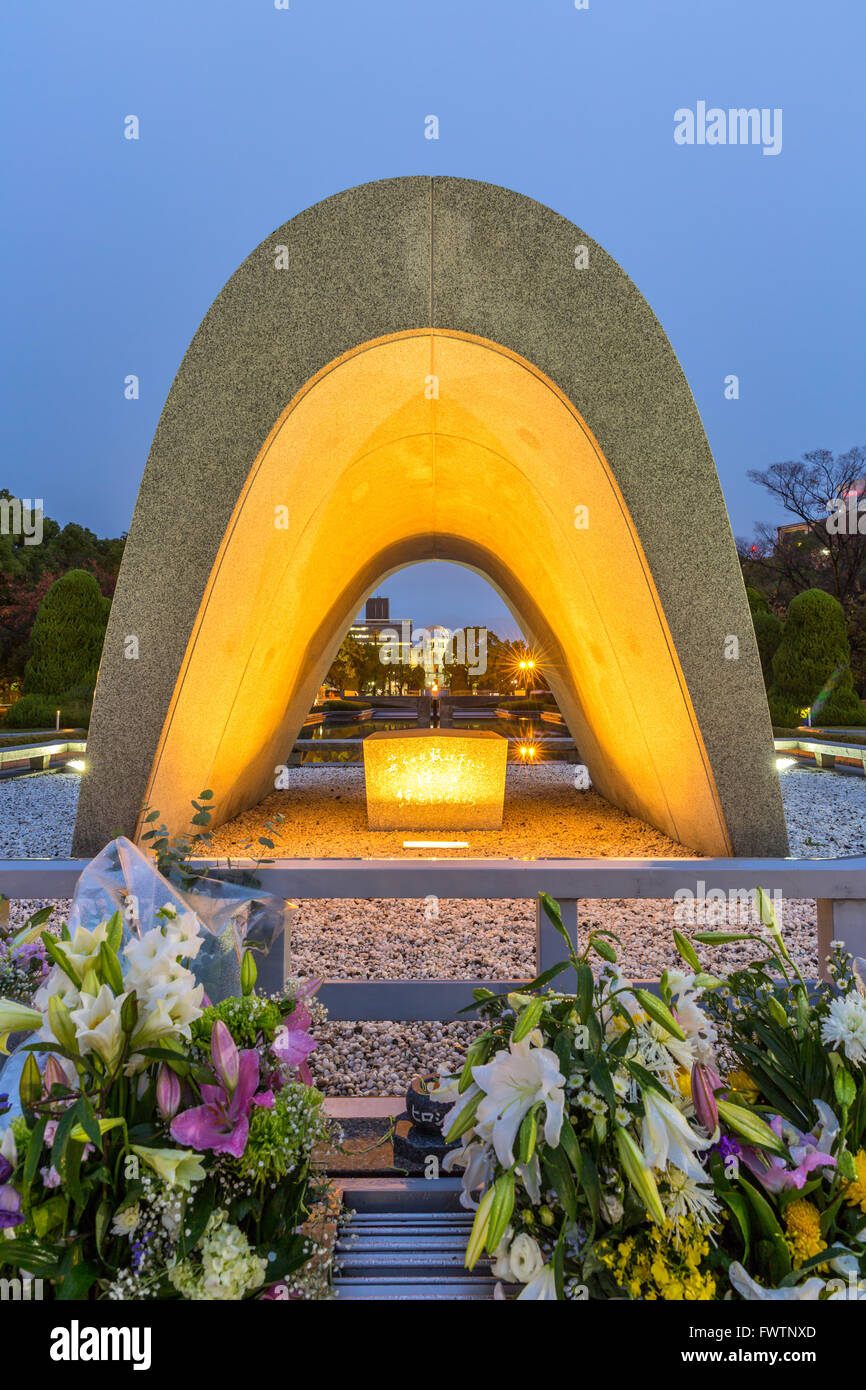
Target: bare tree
(816, 557)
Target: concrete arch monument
(416, 369)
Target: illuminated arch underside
(376, 475)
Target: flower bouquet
(164, 1149)
(23, 963)
(703, 1143)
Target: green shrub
(757, 601)
(40, 712)
(768, 631)
(813, 653)
(528, 702)
(342, 703)
(67, 637)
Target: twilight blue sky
(112, 250)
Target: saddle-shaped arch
(415, 370)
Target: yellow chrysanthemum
(855, 1191)
(742, 1083)
(684, 1083)
(662, 1263)
(803, 1226)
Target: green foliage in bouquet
(612, 1160)
(165, 1150)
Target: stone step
(406, 1240)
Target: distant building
(376, 624)
(431, 648)
(794, 528)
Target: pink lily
(293, 1044)
(225, 1055)
(772, 1172)
(705, 1082)
(222, 1123)
(167, 1092)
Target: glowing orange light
(435, 779)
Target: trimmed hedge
(40, 712)
(813, 651)
(67, 637)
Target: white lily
(668, 1138)
(176, 1167)
(185, 932)
(155, 1024)
(58, 983)
(543, 1286)
(146, 954)
(826, 1136)
(8, 1148)
(82, 951)
(746, 1287)
(513, 1082)
(180, 995)
(476, 1160)
(97, 1024)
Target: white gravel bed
(825, 811)
(37, 815)
(323, 816)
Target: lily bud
(465, 1117)
(478, 1234)
(501, 1209)
(30, 1085)
(129, 1012)
(705, 1082)
(844, 1088)
(90, 983)
(53, 1075)
(60, 1023)
(776, 1011)
(167, 1092)
(750, 1127)
(225, 1056)
(639, 1175)
(249, 973)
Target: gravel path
(323, 815)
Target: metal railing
(838, 885)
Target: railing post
(840, 919)
(549, 945)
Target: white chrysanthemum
(685, 1197)
(845, 1026)
(125, 1222)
